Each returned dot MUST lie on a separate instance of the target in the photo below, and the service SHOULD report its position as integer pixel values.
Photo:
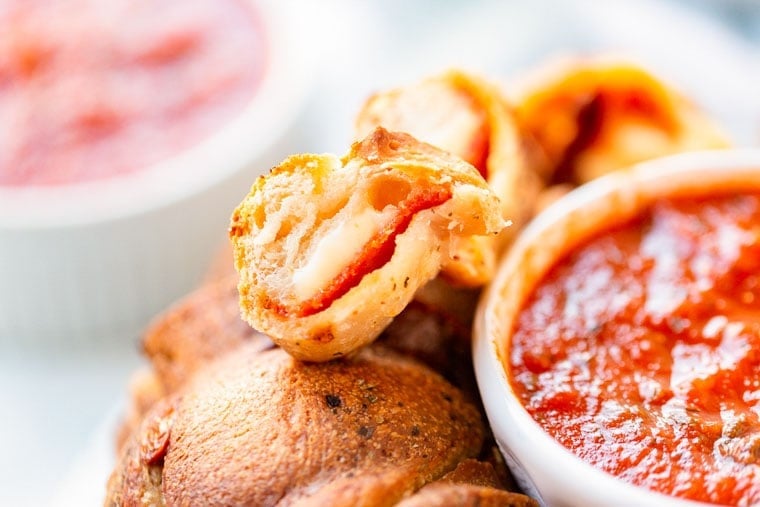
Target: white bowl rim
(288, 73)
(517, 433)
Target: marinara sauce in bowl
(618, 349)
(129, 129)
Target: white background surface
(58, 406)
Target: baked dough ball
(441, 494)
(144, 391)
(468, 117)
(595, 115)
(265, 429)
(206, 324)
(329, 250)
(434, 328)
(200, 327)
(472, 483)
(437, 338)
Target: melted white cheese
(337, 249)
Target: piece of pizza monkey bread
(330, 249)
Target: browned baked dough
(137, 478)
(206, 324)
(330, 250)
(473, 472)
(597, 114)
(202, 326)
(469, 117)
(441, 494)
(436, 339)
(429, 333)
(145, 390)
(261, 428)
(472, 482)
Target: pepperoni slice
(156, 430)
(376, 253)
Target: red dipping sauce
(640, 350)
(91, 89)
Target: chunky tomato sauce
(640, 351)
(91, 88)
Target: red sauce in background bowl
(91, 89)
(640, 349)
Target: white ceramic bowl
(542, 466)
(92, 262)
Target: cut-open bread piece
(594, 115)
(329, 250)
(466, 116)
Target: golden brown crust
(595, 115)
(382, 218)
(262, 428)
(472, 483)
(202, 326)
(436, 339)
(469, 117)
(491, 454)
(475, 473)
(441, 494)
(205, 325)
(145, 389)
(134, 482)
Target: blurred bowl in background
(542, 466)
(90, 262)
